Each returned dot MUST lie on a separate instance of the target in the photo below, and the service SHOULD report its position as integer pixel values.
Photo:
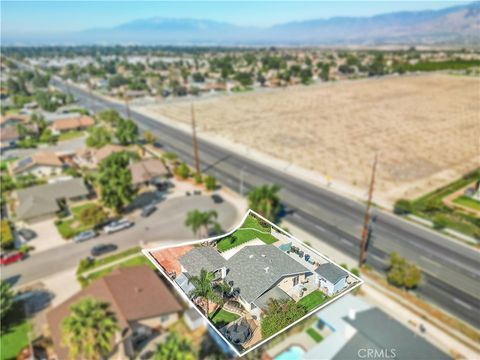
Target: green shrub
(402, 207)
(403, 273)
(355, 271)
(182, 171)
(210, 182)
(169, 156)
(198, 178)
(6, 240)
(440, 222)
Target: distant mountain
(458, 24)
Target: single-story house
(9, 134)
(40, 202)
(79, 123)
(360, 330)
(147, 172)
(332, 278)
(90, 158)
(13, 120)
(39, 164)
(142, 304)
(252, 272)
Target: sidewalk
(393, 304)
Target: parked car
(217, 199)
(85, 235)
(11, 257)
(148, 210)
(26, 235)
(117, 225)
(101, 249)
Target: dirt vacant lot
(426, 128)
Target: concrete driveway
(47, 236)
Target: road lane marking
(430, 261)
(462, 303)
(320, 228)
(378, 258)
(345, 241)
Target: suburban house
(10, 135)
(13, 120)
(90, 158)
(256, 273)
(332, 278)
(142, 303)
(40, 164)
(148, 172)
(42, 202)
(356, 327)
(79, 123)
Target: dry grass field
(425, 128)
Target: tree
(93, 216)
(265, 200)
(99, 137)
(115, 181)
(149, 137)
(325, 72)
(402, 207)
(198, 178)
(210, 182)
(127, 132)
(403, 273)
(280, 313)
(208, 218)
(6, 238)
(174, 348)
(203, 284)
(109, 116)
(6, 299)
(194, 220)
(244, 78)
(89, 329)
(182, 171)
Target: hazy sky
(46, 16)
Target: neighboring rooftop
(147, 170)
(255, 269)
(203, 257)
(44, 158)
(135, 293)
(42, 200)
(331, 272)
(73, 123)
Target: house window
(164, 318)
(295, 280)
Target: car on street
(117, 225)
(101, 249)
(217, 199)
(148, 210)
(26, 235)
(85, 235)
(11, 257)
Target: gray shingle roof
(255, 269)
(41, 200)
(202, 258)
(274, 293)
(331, 272)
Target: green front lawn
(467, 202)
(222, 317)
(313, 300)
(69, 135)
(15, 330)
(314, 335)
(71, 227)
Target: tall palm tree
(209, 218)
(89, 329)
(204, 289)
(265, 200)
(194, 220)
(174, 348)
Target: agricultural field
(424, 127)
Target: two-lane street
(452, 269)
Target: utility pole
(366, 221)
(194, 141)
(127, 105)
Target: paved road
(167, 223)
(452, 271)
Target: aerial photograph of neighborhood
(254, 281)
(264, 180)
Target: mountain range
(452, 25)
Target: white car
(117, 225)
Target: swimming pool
(292, 353)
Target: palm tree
(89, 329)
(6, 298)
(197, 219)
(265, 200)
(203, 284)
(174, 348)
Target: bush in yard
(402, 207)
(169, 156)
(355, 271)
(403, 273)
(6, 239)
(210, 182)
(279, 315)
(198, 178)
(149, 137)
(182, 171)
(6, 295)
(93, 215)
(439, 222)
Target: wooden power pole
(194, 141)
(127, 106)
(366, 221)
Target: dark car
(217, 199)
(101, 249)
(148, 210)
(26, 234)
